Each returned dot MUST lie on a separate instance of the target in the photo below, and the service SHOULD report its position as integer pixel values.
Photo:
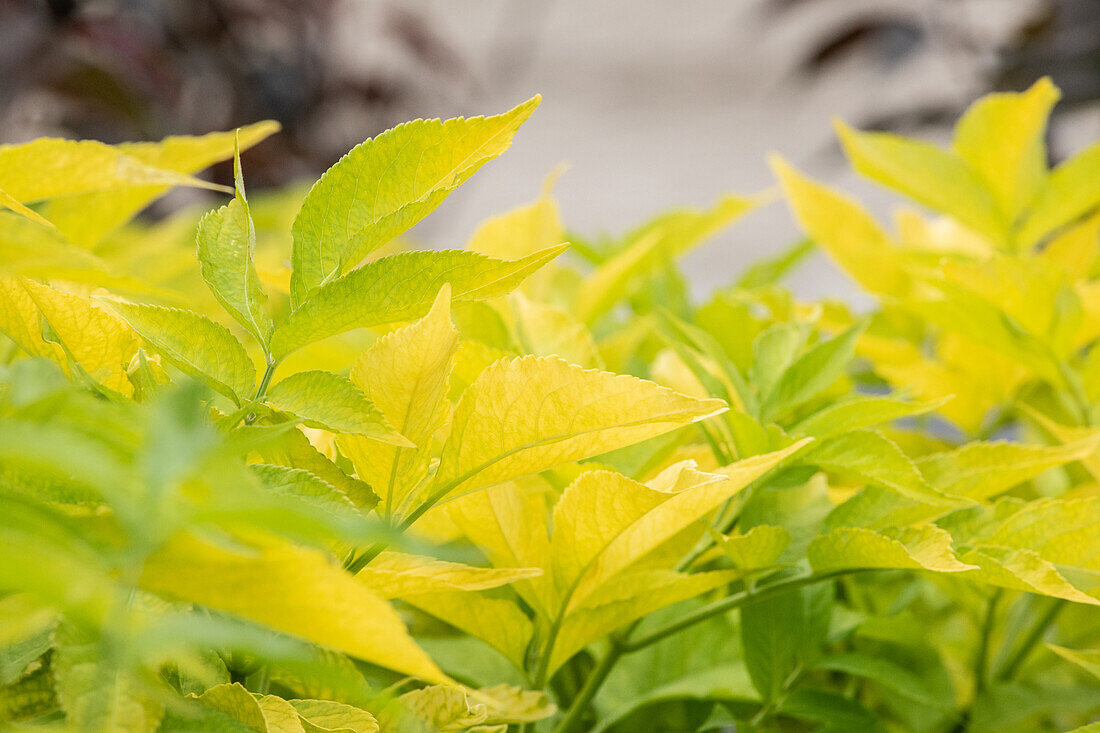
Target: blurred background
(651, 104)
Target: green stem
(1012, 664)
(981, 659)
(265, 381)
(591, 686)
(355, 563)
(731, 602)
(623, 645)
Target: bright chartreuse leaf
(940, 180)
(870, 457)
(525, 415)
(846, 231)
(1086, 659)
(331, 402)
(291, 589)
(328, 716)
(397, 575)
(307, 486)
(760, 547)
(226, 241)
(195, 345)
(387, 184)
(260, 713)
(1001, 138)
(98, 342)
(811, 373)
(917, 548)
(1022, 569)
(50, 167)
(20, 321)
(858, 412)
(1072, 191)
(983, 470)
(544, 330)
(519, 232)
(400, 287)
(653, 246)
(605, 522)
(87, 218)
(293, 450)
(405, 375)
(10, 202)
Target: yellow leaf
(397, 575)
(653, 246)
(405, 375)
(10, 202)
(918, 548)
(20, 320)
(1074, 250)
(1001, 137)
(499, 623)
(86, 218)
(509, 525)
(940, 180)
(604, 522)
(544, 330)
(526, 415)
(847, 233)
(292, 589)
(100, 342)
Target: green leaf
(983, 470)
(870, 457)
(1001, 137)
(195, 345)
(387, 184)
(858, 412)
(505, 426)
(98, 696)
(774, 350)
(939, 180)
(812, 373)
(886, 674)
(770, 639)
(331, 402)
(226, 241)
(304, 485)
(400, 287)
